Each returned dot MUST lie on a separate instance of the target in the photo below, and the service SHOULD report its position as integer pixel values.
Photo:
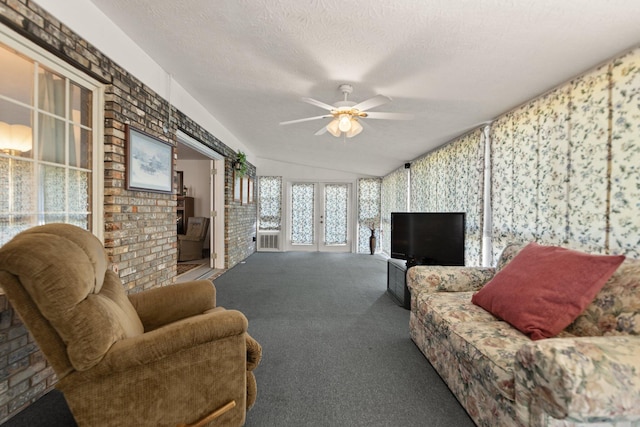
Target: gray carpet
(336, 348)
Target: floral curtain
(368, 211)
(269, 203)
(566, 166)
(393, 199)
(624, 219)
(451, 179)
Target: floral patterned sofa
(588, 374)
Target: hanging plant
(240, 164)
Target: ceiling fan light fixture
(333, 128)
(346, 114)
(15, 137)
(356, 128)
(345, 123)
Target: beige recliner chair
(190, 245)
(163, 357)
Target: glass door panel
(319, 217)
(336, 198)
(303, 214)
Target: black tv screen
(428, 238)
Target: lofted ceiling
(453, 64)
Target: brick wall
(140, 232)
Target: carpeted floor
(336, 348)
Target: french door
(319, 217)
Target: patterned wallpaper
(451, 179)
(566, 166)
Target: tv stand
(397, 281)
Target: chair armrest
(584, 378)
(435, 278)
(185, 238)
(179, 336)
(161, 306)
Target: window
(49, 152)
(269, 202)
(368, 211)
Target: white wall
(196, 176)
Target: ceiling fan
(347, 114)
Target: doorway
(318, 216)
(204, 179)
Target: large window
(48, 142)
(269, 202)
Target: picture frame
(245, 190)
(237, 186)
(149, 163)
(250, 190)
(179, 182)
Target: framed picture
(250, 190)
(149, 163)
(237, 187)
(245, 190)
(179, 182)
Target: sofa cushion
(487, 350)
(616, 308)
(544, 288)
(443, 308)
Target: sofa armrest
(161, 306)
(582, 379)
(434, 278)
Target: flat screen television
(428, 238)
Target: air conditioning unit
(269, 241)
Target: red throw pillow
(544, 288)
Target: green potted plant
(240, 163)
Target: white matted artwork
(245, 190)
(237, 186)
(149, 163)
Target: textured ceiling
(454, 64)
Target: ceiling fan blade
(372, 102)
(390, 116)
(306, 119)
(322, 131)
(319, 103)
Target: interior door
(319, 216)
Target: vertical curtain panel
(393, 198)
(451, 179)
(368, 211)
(565, 167)
(624, 220)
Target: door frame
(318, 245)
(216, 205)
